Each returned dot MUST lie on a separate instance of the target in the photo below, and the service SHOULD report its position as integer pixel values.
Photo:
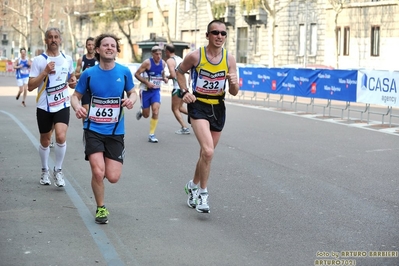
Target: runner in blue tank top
(22, 69)
(150, 88)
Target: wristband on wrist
(184, 93)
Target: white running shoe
(192, 195)
(139, 114)
(58, 178)
(202, 203)
(152, 138)
(183, 131)
(45, 178)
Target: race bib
(210, 83)
(24, 70)
(57, 95)
(104, 110)
(157, 82)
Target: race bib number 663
(104, 110)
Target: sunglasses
(216, 32)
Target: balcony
(228, 16)
(4, 42)
(255, 16)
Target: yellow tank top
(209, 80)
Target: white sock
(44, 153)
(203, 190)
(60, 150)
(192, 185)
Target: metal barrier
(253, 98)
(359, 111)
(389, 112)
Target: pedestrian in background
(151, 74)
(177, 103)
(22, 69)
(86, 61)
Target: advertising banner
(335, 84)
(312, 83)
(378, 87)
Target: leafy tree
(123, 14)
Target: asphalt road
(285, 189)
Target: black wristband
(184, 93)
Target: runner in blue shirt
(107, 84)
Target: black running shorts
(214, 113)
(46, 120)
(113, 146)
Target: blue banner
(312, 83)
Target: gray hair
(52, 29)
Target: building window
(338, 40)
(242, 45)
(375, 40)
(302, 40)
(4, 36)
(313, 39)
(188, 4)
(165, 14)
(150, 19)
(347, 34)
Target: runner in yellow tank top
(211, 67)
(209, 79)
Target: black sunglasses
(216, 32)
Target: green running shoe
(101, 215)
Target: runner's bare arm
(72, 81)
(171, 63)
(232, 76)
(130, 100)
(143, 67)
(80, 111)
(35, 82)
(78, 70)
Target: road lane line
(99, 236)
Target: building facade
(342, 34)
